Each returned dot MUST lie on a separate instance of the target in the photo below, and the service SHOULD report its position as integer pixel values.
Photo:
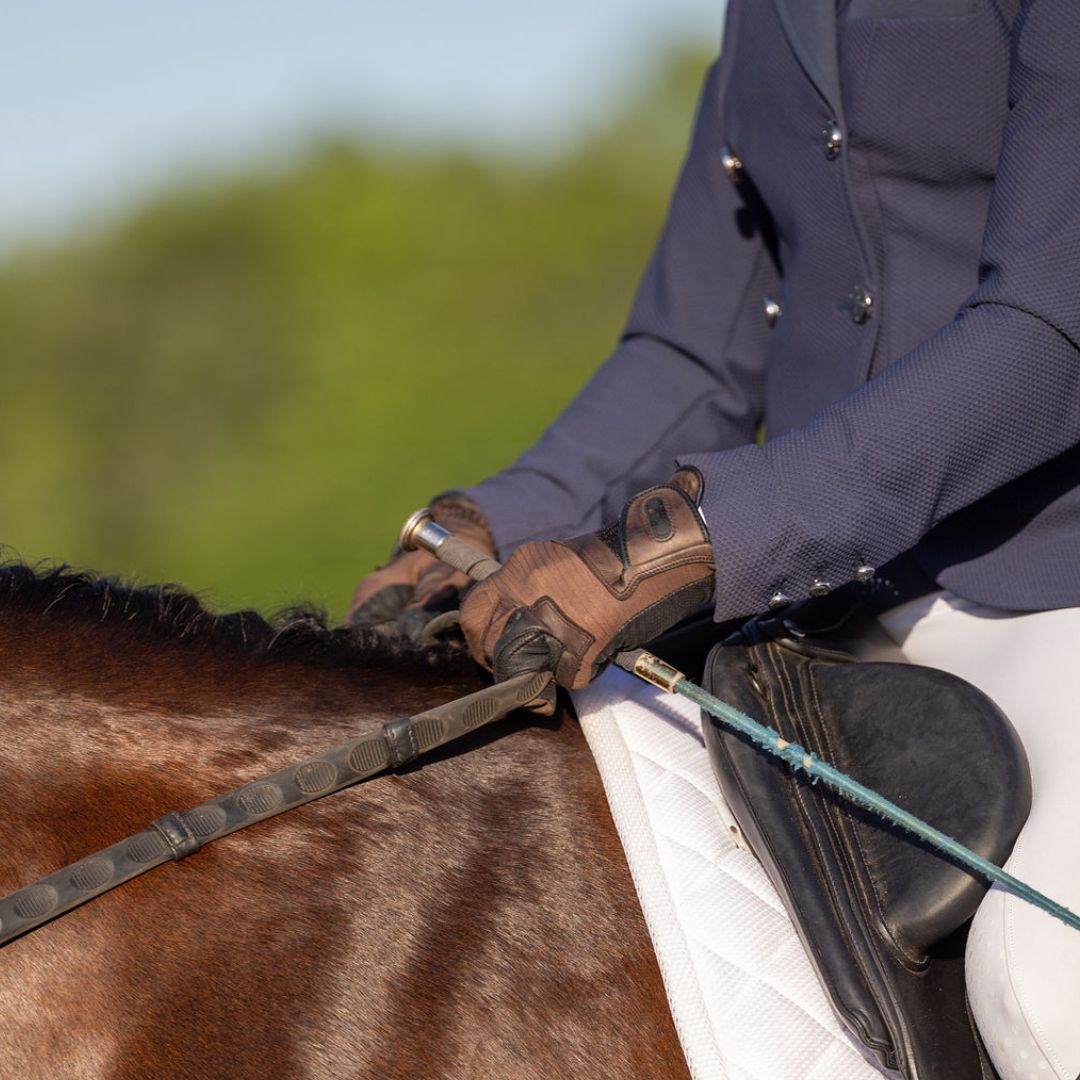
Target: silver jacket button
(820, 588)
(834, 140)
(864, 573)
(861, 305)
(772, 309)
(731, 163)
(778, 600)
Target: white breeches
(1023, 966)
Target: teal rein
(801, 759)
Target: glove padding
(568, 606)
(415, 595)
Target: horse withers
(471, 916)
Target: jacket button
(731, 163)
(861, 305)
(864, 573)
(778, 600)
(820, 588)
(834, 140)
(772, 309)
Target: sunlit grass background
(247, 383)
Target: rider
(873, 249)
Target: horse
(471, 915)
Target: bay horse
(471, 916)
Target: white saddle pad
(743, 995)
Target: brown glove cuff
(660, 532)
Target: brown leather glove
(415, 595)
(567, 606)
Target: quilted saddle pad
(743, 995)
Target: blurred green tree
(247, 384)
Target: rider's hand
(568, 606)
(415, 594)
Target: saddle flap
(942, 750)
(879, 913)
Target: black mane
(172, 613)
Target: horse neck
(131, 725)
(390, 930)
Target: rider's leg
(1023, 966)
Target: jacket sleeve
(989, 397)
(686, 374)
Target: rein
(177, 835)
(398, 742)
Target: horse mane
(172, 614)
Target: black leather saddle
(883, 918)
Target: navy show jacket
(874, 249)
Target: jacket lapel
(811, 28)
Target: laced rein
(177, 835)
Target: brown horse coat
(472, 917)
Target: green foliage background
(247, 384)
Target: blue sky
(100, 101)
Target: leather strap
(400, 736)
(181, 840)
(174, 836)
